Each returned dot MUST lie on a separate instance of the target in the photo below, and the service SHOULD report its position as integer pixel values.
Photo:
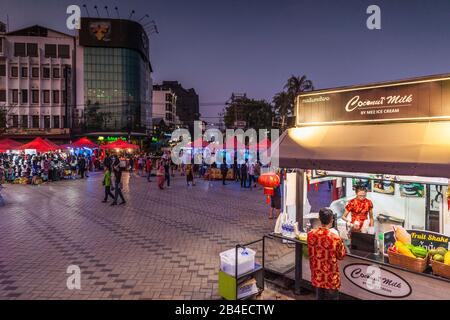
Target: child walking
(107, 184)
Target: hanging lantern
(269, 181)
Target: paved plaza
(163, 244)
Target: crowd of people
(41, 167)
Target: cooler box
(246, 261)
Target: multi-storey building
(187, 102)
(36, 81)
(164, 107)
(113, 76)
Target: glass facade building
(115, 80)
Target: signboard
(427, 239)
(419, 99)
(377, 280)
(420, 286)
(114, 33)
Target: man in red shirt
(360, 208)
(325, 249)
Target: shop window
(24, 72)
(35, 121)
(47, 122)
(50, 50)
(32, 49)
(35, 96)
(2, 95)
(15, 121)
(35, 72)
(2, 70)
(24, 123)
(24, 95)
(63, 51)
(56, 96)
(46, 96)
(46, 73)
(55, 121)
(19, 49)
(55, 72)
(15, 95)
(14, 72)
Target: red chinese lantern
(269, 181)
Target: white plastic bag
(279, 223)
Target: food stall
(393, 138)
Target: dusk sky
(253, 46)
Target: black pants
(327, 294)
(250, 180)
(167, 176)
(118, 193)
(82, 173)
(224, 177)
(244, 181)
(108, 193)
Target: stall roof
(418, 149)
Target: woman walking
(190, 175)
(161, 175)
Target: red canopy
(228, 145)
(83, 143)
(119, 144)
(262, 145)
(54, 145)
(9, 144)
(39, 145)
(198, 143)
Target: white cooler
(246, 261)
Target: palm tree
(282, 106)
(296, 85)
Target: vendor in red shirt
(360, 208)
(325, 249)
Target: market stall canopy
(119, 144)
(418, 149)
(262, 145)
(40, 145)
(83, 143)
(229, 145)
(9, 144)
(54, 145)
(199, 143)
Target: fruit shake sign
(405, 101)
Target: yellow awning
(420, 149)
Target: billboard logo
(100, 30)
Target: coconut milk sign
(403, 101)
(377, 280)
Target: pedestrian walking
(251, 174)
(107, 185)
(190, 175)
(224, 172)
(323, 259)
(82, 166)
(117, 182)
(148, 168)
(160, 174)
(167, 172)
(275, 203)
(257, 172)
(244, 172)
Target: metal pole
(299, 217)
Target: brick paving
(163, 244)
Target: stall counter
(393, 282)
